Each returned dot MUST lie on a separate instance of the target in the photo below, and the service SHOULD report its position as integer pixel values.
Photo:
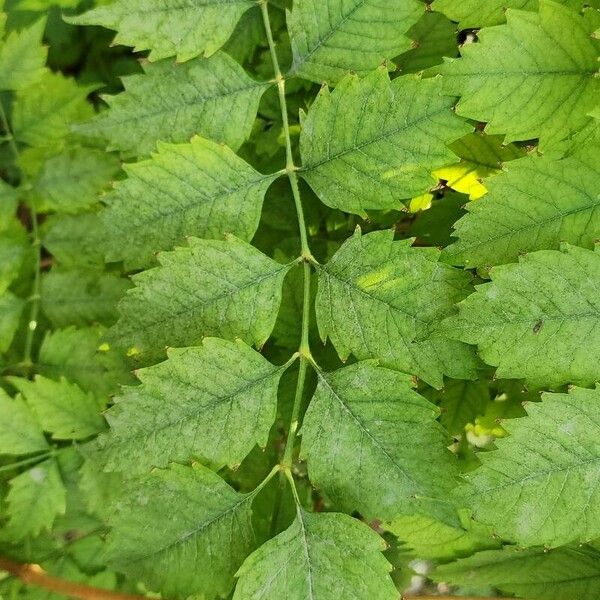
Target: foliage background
(98, 153)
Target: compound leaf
(537, 203)
(208, 524)
(380, 298)
(22, 57)
(63, 408)
(431, 539)
(34, 499)
(366, 436)
(44, 111)
(526, 79)
(215, 288)
(81, 296)
(535, 573)
(213, 402)
(20, 430)
(331, 37)
(184, 29)
(70, 182)
(541, 486)
(538, 319)
(373, 142)
(325, 556)
(201, 188)
(213, 97)
(82, 357)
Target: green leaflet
(11, 308)
(475, 13)
(372, 142)
(431, 539)
(170, 101)
(537, 319)
(35, 498)
(433, 37)
(81, 297)
(366, 436)
(537, 203)
(522, 82)
(207, 523)
(201, 188)
(184, 29)
(323, 556)
(56, 189)
(82, 357)
(541, 485)
(214, 402)
(211, 288)
(536, 573)
(44, 111)
(22, 57)
(382, 299)
(20, 431)
(75, 240)
(331, 37)
(62, 408)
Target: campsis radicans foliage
(295, 294)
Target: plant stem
(290, 168)
(35, 575)
(26, 461)
(37, 246)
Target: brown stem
(35, 575)
(444, 597)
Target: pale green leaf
(473, 14)
(81, 297)
(75, 240)
(20, 431)
(200, 189)
(11, 308)
(213, 97)
(214, 402)
(324, 556)
(34, 499)
(22, 57)
(181, 28)
(524, 83)
(382, 299)
(62, 408)
(366, 436)
(541, 486)
(373, 142)
(44, 111)
(215, 288)
(537, 203)
(82, 357)
(571, 573)
(431, 539)
(331, 37)
(181, 531)
(70, 182)
(538, 319)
